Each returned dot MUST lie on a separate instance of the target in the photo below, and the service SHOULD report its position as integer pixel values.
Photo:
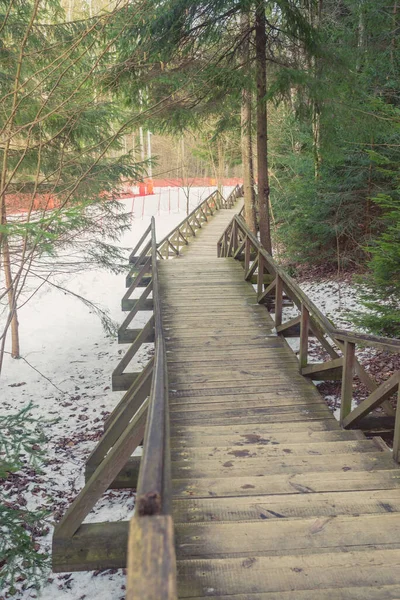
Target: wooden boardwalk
(271, 498)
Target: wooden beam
(122, 382)
(347, 380)
(382, 393)
(290, 328)
(263, 297)
(396, 437)
(94, 546)
(304, 328)
(327, 371)
(131, 303)
(151, 559)
(127, 478)
(129, 335)
(374, 341)
(278, 301)
(146, 334)
(129, 393)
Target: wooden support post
(304, 330)
(396, 438)
(247, 250)
(260, 275)
(278, 301)
(347, 380)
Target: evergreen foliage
(21, 443)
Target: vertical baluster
(278, 301)
(247, 249)
(396, 438)
(260, 274)
(347, 379)
(304, 329)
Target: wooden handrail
(238, 241)
(373, 341)
(151, 550)
(150, 498)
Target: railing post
(278, 301)
(260, 275)
(304, 328)
(247, 250)
(396, 438)
(347, 380)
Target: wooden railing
(179, 237)
(151, 529)
(275, 288)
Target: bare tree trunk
(262, 139)
(246, 141)
(316, 109)
(13, 317)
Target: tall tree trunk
(262, 139)
(315, 20)
(246, 137)
(13, 317)
(221, 164)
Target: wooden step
(288, 483)
(279, 537)
(286, 506)
(291, 465)
(194, 439)
(227, 453)
(274, 575)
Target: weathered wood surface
(151, 559)
(271, 499)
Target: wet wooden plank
(286, 506)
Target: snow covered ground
(71, 389)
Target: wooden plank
(347, 380)
(146, 334)
(123, 381)
(245, 401)
(383, 343)
(131, 303)
(276, 574)
(264, 435)
(94, 546)
(326, 371)
(291, 465)
(290, 328)
(287, 506)
(127, 478)
(128, 336)
(263, 429)
(151, 559)
(396, 437)
(304, 328)
(295, 483)
(229, 453)
(389, 592)
(274, 537)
